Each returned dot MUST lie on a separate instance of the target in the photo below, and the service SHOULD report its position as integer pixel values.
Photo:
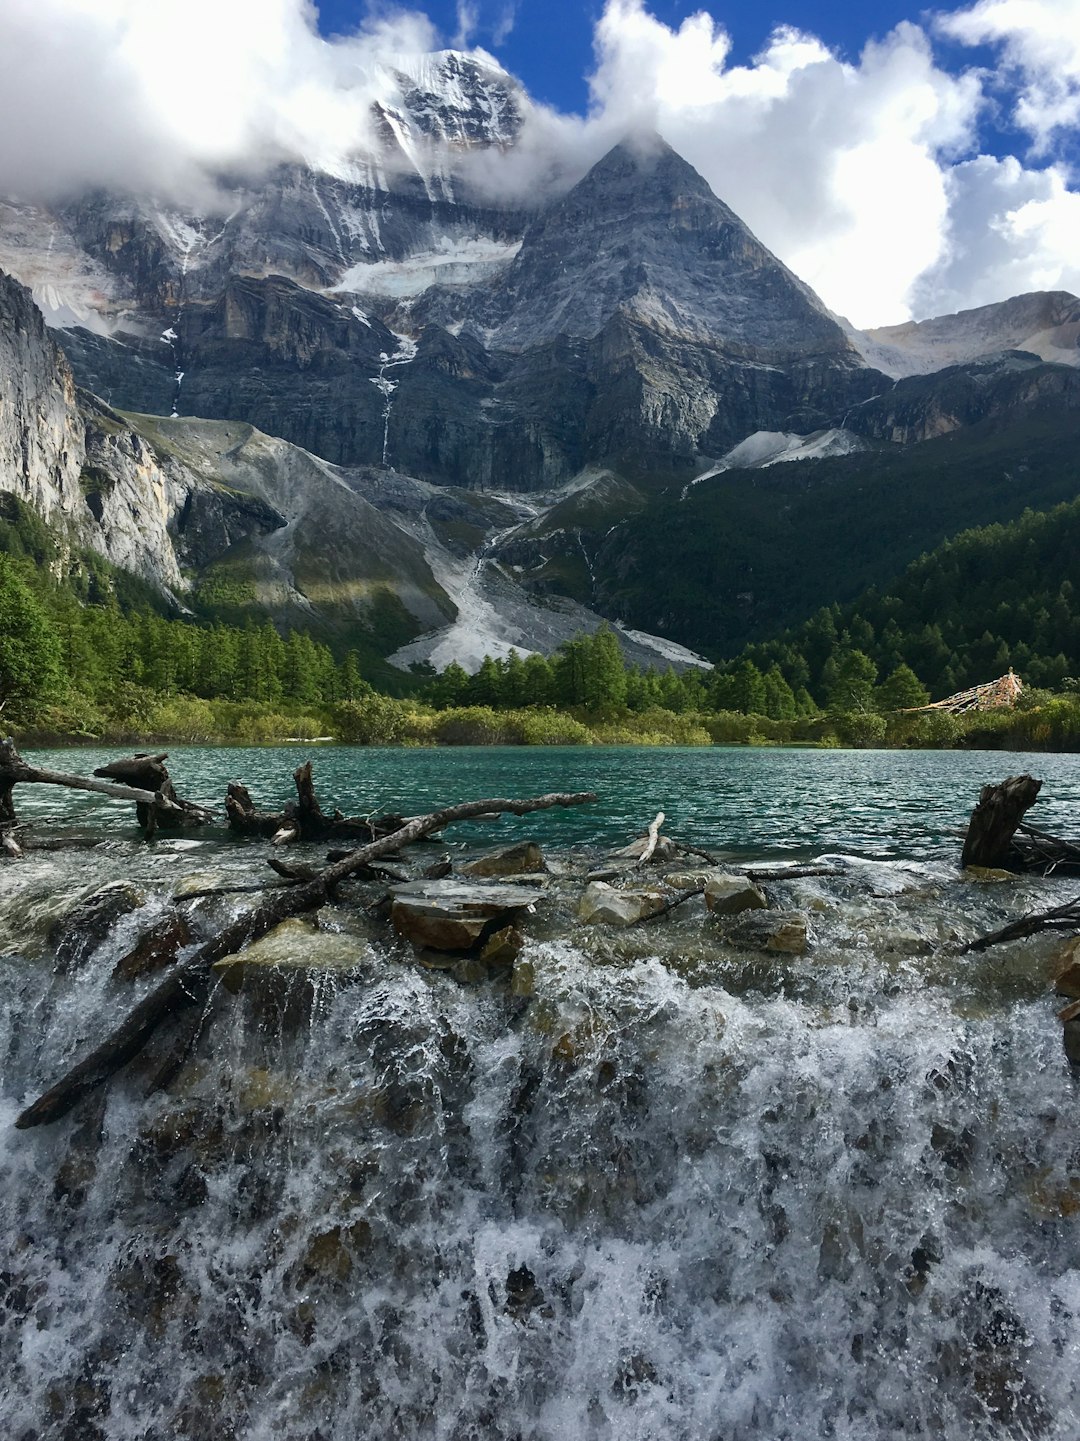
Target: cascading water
(650, 1185)
(404, 355)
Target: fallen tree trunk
(15, 771)
(1035, 850)
(994, 820)
(304, 818)
(190, 984)
(149, 773)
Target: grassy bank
(134, 716)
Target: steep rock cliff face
(42, 444)
(392, 316)
(1002, 389)
(1044, 323)
(83, 467)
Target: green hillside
(751, 553)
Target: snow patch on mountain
(450, 262)
(69, 287)
(772, 447)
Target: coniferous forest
(88, 651)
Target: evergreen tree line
(588, 674)
(990, 598)
(56, 647)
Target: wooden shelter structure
(1000, 694)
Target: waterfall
(646, 1186)
(404, 355)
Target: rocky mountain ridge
(392, 382)
(199, 508)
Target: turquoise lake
(750, 802)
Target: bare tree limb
(652, 837)
(1061, 918)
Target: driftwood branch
(651, 838)
(190, 984)
(1061, 918)
(302, 819)
(14, 770)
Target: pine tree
(29, 647)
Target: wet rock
(155, 949)
(1071, 1037)
(449, 916)
(727, 894)
(526, 858)
(78, 934)
(692, 880)
(1067, 980)
(523, 979)
(293, 948)
(665, 850)
(988, 875)
(604, 905)
(198, 882)
(782, 931)
(501, 947)
(524, 1296)
(956, 1148)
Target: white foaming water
(681, 1191)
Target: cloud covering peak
(865, 176)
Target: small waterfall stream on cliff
(652, 1185)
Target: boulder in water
(78, 934)
(525, 858)
(155, 949)
(1067, 981)
(293, 947)
(449, 916)
(727, 894)
(604, 905)
(783, 931)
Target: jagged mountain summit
(522, 392)
(391, 315)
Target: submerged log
(142, 779)
(189, 985)
(1035, 850)
(994, 820)
(302, 819)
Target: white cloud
(833, 165)
(1040, 42)
(862, 175)
(157, 96)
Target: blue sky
(548, 44)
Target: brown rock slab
(445, 915)
(526, 858)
